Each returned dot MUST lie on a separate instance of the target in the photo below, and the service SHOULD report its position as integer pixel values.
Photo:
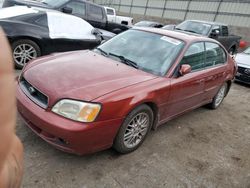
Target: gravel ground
(203, 148)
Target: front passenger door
(187, 91)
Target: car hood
(243, 60)
(81, 75)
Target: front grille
(244, 71)
(34, 94)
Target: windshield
(194, 27)
(150, 52)
(247, 51)
(54, 3)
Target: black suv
(91, 12)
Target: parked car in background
(112, 17)
(34, 32)
(217, 31)
(90, 12)
(169, 27)
(243, 62)
(115, 94)
(148, 24)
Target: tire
(219, 97)
(24, 50)
(132, 142)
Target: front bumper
(64, 134)
(242, 78)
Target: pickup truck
(90, 12)
(217, 31)
(112, 17)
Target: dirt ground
(203, 148)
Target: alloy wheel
(23, 53)
(220, 95)
(136, 130)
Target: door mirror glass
(185, 69)
(67, 10)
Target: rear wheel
(217, 100)
(23, 51)
(134, 129)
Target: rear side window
(224, 30)
(195, 56)
(78, 8)
(215, 55)
(95, 12)
(110, 12)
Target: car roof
(184, 36)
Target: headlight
(76, 110)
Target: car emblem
(31, 90)
(247, 71)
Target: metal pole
(165, 3)
(187, 9)
(218, 8)
(120, 2)
(145, 12)
(131, 6)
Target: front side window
(78, 8)
(195, 56)
(95, 12)
(153, 53)
(215, 55)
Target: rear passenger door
(187, 91)
(215, 69)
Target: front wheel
(23, 51)
(219, 97)
(134, 129)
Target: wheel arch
(37, 41)
(152, 105)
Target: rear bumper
(64, 134)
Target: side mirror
(67, 10)
(103, 41)
(215, 33)
(96, 32)
(185, 69)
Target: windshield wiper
(102, 52)
(125, 60)
(191, 31)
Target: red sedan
(85, 101)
